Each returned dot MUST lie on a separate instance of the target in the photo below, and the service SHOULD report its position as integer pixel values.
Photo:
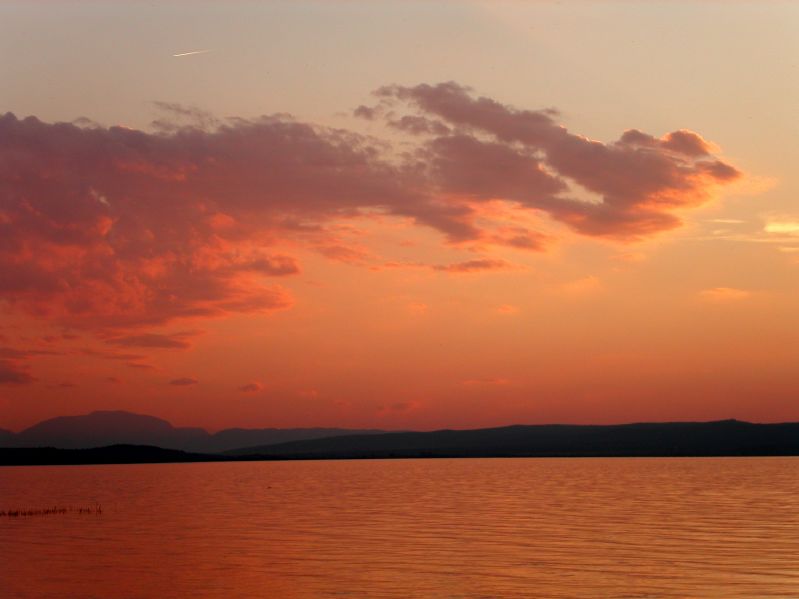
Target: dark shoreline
(11, 457)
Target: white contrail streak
(191, 53)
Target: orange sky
(452, 214)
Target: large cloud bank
(116, 229)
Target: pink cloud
(113, 230)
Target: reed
(49, 511)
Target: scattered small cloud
(723, 295)
(183, 382)
(507, 309)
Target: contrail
(191, 53)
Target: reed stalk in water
(16, 513)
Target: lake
(648, 527)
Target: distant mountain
(232, 438)
(105, 428)
(109, 428)
(726, 437)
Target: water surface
(722, 527)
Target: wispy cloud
(782, 226)
(726, 221)
(179, 340)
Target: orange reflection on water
(408, 528)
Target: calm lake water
(407, 528)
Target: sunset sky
(399, 214)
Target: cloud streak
(192, 53)
(179, 340)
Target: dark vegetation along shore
(720, 438)
(113, 454)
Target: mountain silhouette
(725, 437)
(104, 428)
(719, 438)
(6, 437)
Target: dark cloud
(524, 155)
(183, 382)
